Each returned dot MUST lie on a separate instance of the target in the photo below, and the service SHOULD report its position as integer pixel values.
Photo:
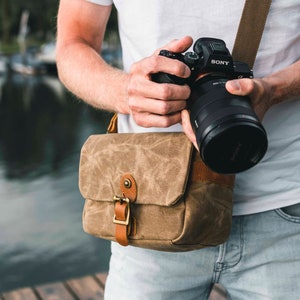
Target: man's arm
(81, 27)
(276, 88)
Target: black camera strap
(250, 30)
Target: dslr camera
(230, 137)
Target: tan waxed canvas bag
(150, 190)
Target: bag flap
(159, 163)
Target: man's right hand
(158, 104)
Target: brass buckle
(121, 200)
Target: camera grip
(162, 77)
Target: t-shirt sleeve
(101, 2)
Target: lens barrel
(230, 137)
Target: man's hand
(257, 89)
(158, 104)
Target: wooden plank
(54, 291)
(102, 278)
(20, 294)
(86, 288)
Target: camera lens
(230, 137)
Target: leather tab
(128, 187)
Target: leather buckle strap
(121, 219)
(122, 211)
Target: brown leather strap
(200, 172)
(113, 124)
(121, 235)
(122, 218)
(250, 30)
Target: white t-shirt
(145, 26)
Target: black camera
(230, 137)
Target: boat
(26, 64)
(3, 64)
(47, 56)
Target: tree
(41, 21)
(5, 20)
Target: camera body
(230, 137)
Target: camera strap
(250, 30)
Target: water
(42, 128)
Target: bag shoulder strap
(250, 30)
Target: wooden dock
(84, 288)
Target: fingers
(187, 127)
(147, 120)
(158, 104)
(178, 45)
(154, 104)
(141, 87)
(156, 63)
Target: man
(261, 259)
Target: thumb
(240, 87)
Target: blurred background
(42, 129)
